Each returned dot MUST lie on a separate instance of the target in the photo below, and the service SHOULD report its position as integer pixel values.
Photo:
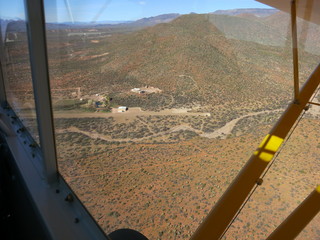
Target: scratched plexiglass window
(16, 64)
(158, 104)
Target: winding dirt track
(227, 129)
(218, 133)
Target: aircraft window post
(39, 68)
(2, 89)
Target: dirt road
(227, 129)
(130, 114)
(218, 133)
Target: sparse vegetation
(157, 171)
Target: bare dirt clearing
(133, 113)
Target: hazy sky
(119, 10)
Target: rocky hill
(191, 57)
(203, 60)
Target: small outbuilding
(122, 109)
(136, 90)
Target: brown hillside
(190, 46)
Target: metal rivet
(69, 198)
(33, 145)
(259, 181)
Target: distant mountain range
(263, 21)
(18, 25)
(95, 23)
(258, 12)
(144, 22)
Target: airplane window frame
(2, 89)
(40, 78)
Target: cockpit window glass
(18, 81)
(158, 104)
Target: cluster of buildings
(138, 90)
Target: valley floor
(164, 184)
